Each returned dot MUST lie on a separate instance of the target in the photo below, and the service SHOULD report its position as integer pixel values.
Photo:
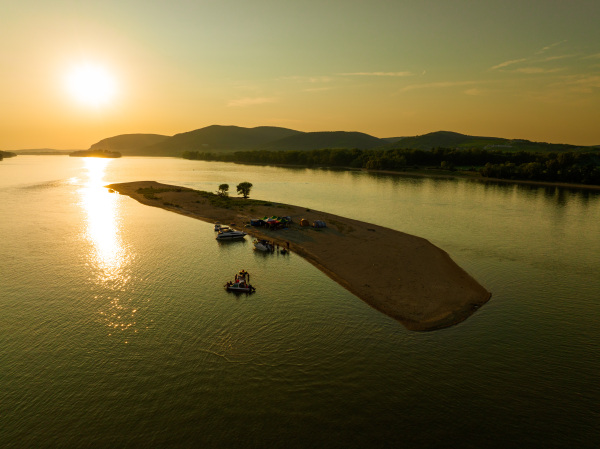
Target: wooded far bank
(567, 167)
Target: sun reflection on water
(102, 223)
(108, 256)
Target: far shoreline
(423, 173)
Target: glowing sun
(91, 84)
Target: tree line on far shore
(570, 167)
(6, 154)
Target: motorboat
(239, 287)
(262, 245)
(220, 227)
(230, 234)
(241, 284)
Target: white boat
(263, 245)
(230, 234)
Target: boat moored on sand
(263, 245)
(230, 234)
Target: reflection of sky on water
(108, 257)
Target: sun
(91, 85)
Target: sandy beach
(401, 275)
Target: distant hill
(448, 139)
(216, 138)
(129, 144)
(392, 139)
(43, 152)
(327, 139)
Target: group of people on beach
(283, 250)
(272, 246)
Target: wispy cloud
(309, 79)
(537, 70)
(549, 47)
(243, 102)
(508, 63)
(475, 91)
(377, 74)
(594, 56)
(438, 85)
(317, 89)
(555, 58)
(579, 83)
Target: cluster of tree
(95, 153)
(243, 188)
(4, 154)
(562, 167)
(579, 168)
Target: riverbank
(403, 276)
(445, 174)
(476, 177)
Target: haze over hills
(43, 152)
(216, 138)
(445, 139)
(325, 139)
(129, 143)
(448, 139)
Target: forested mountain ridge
(210, 138)
(217, 138)
(129, 144)
(327, 139)
(448, 139)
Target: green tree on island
(223, 189)
(244, 189)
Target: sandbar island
(404, 276)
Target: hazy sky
(514, 68)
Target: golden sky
(75, 72)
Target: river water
(115, 329)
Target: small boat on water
(263, 245)
(230, 234)
(239, 287)
(241, 284)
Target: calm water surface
(115, 329)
